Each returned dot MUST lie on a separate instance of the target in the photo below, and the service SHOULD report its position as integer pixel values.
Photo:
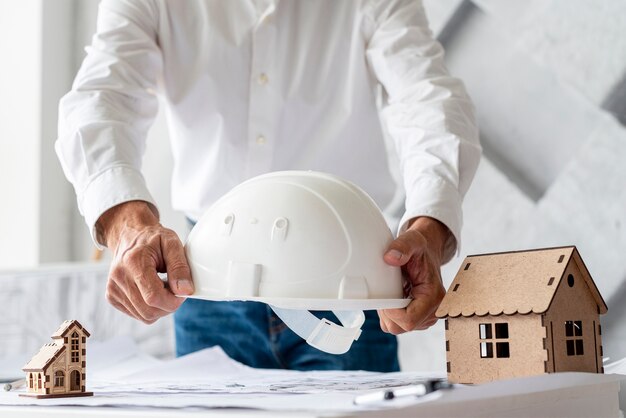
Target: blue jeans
(251, 333)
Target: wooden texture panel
(526, 353)
(574, 303)
(511, 282)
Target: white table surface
(100, 412)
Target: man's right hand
(142, 247)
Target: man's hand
(142, 247)
(420, 251)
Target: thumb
(178, 272)
(404, 247)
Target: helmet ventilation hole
(279, 230)
(227, 226)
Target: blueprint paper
(210, 379)
(212, 371)
(617, 367)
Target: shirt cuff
(110, 188)
(436, 199)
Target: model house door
(75, 380)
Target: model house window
(59, 378)
(573, 338)
(30, 380)
(486, 348)
(39, 381)
(74, 347)
(489, 338)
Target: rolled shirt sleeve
(426, 112)
(104, 119)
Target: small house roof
(512, 282)
(66, 326)
(46, 355)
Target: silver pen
(416, 390)
(14, 385)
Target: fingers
(388, 325)
(124, 289)
(134, 286)
(423, 284)
(118, 299)
(145, 290)
(399, 321)
(409, 244)
(178, 272)
(383, 322)
(140, 273)
(420, 313)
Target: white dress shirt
(354, 88)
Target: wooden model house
(58, 369)
(522, 313)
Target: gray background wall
(548, 78)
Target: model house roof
(512, 282)
(46, 355)
(66, 326)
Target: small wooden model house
(520, 314)
(58, 369)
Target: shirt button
(260, 140)
(263, 79)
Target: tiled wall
(36, 302)
(548, 78)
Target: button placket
(260, 111)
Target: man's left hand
(420, 251)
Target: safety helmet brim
(316, 304)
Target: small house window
(570, 280)
(486, 350)
(573, 338)
(487, 342)
(502, 350)
(39, 386)
(502, 330)
(30, 381)
(486, 347)
(59, 379)
(74, 346)
(485, 331)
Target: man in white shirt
(353, 88)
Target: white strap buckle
(333, 338)
(322, 333)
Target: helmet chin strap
(322, 333)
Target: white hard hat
(298, 241)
